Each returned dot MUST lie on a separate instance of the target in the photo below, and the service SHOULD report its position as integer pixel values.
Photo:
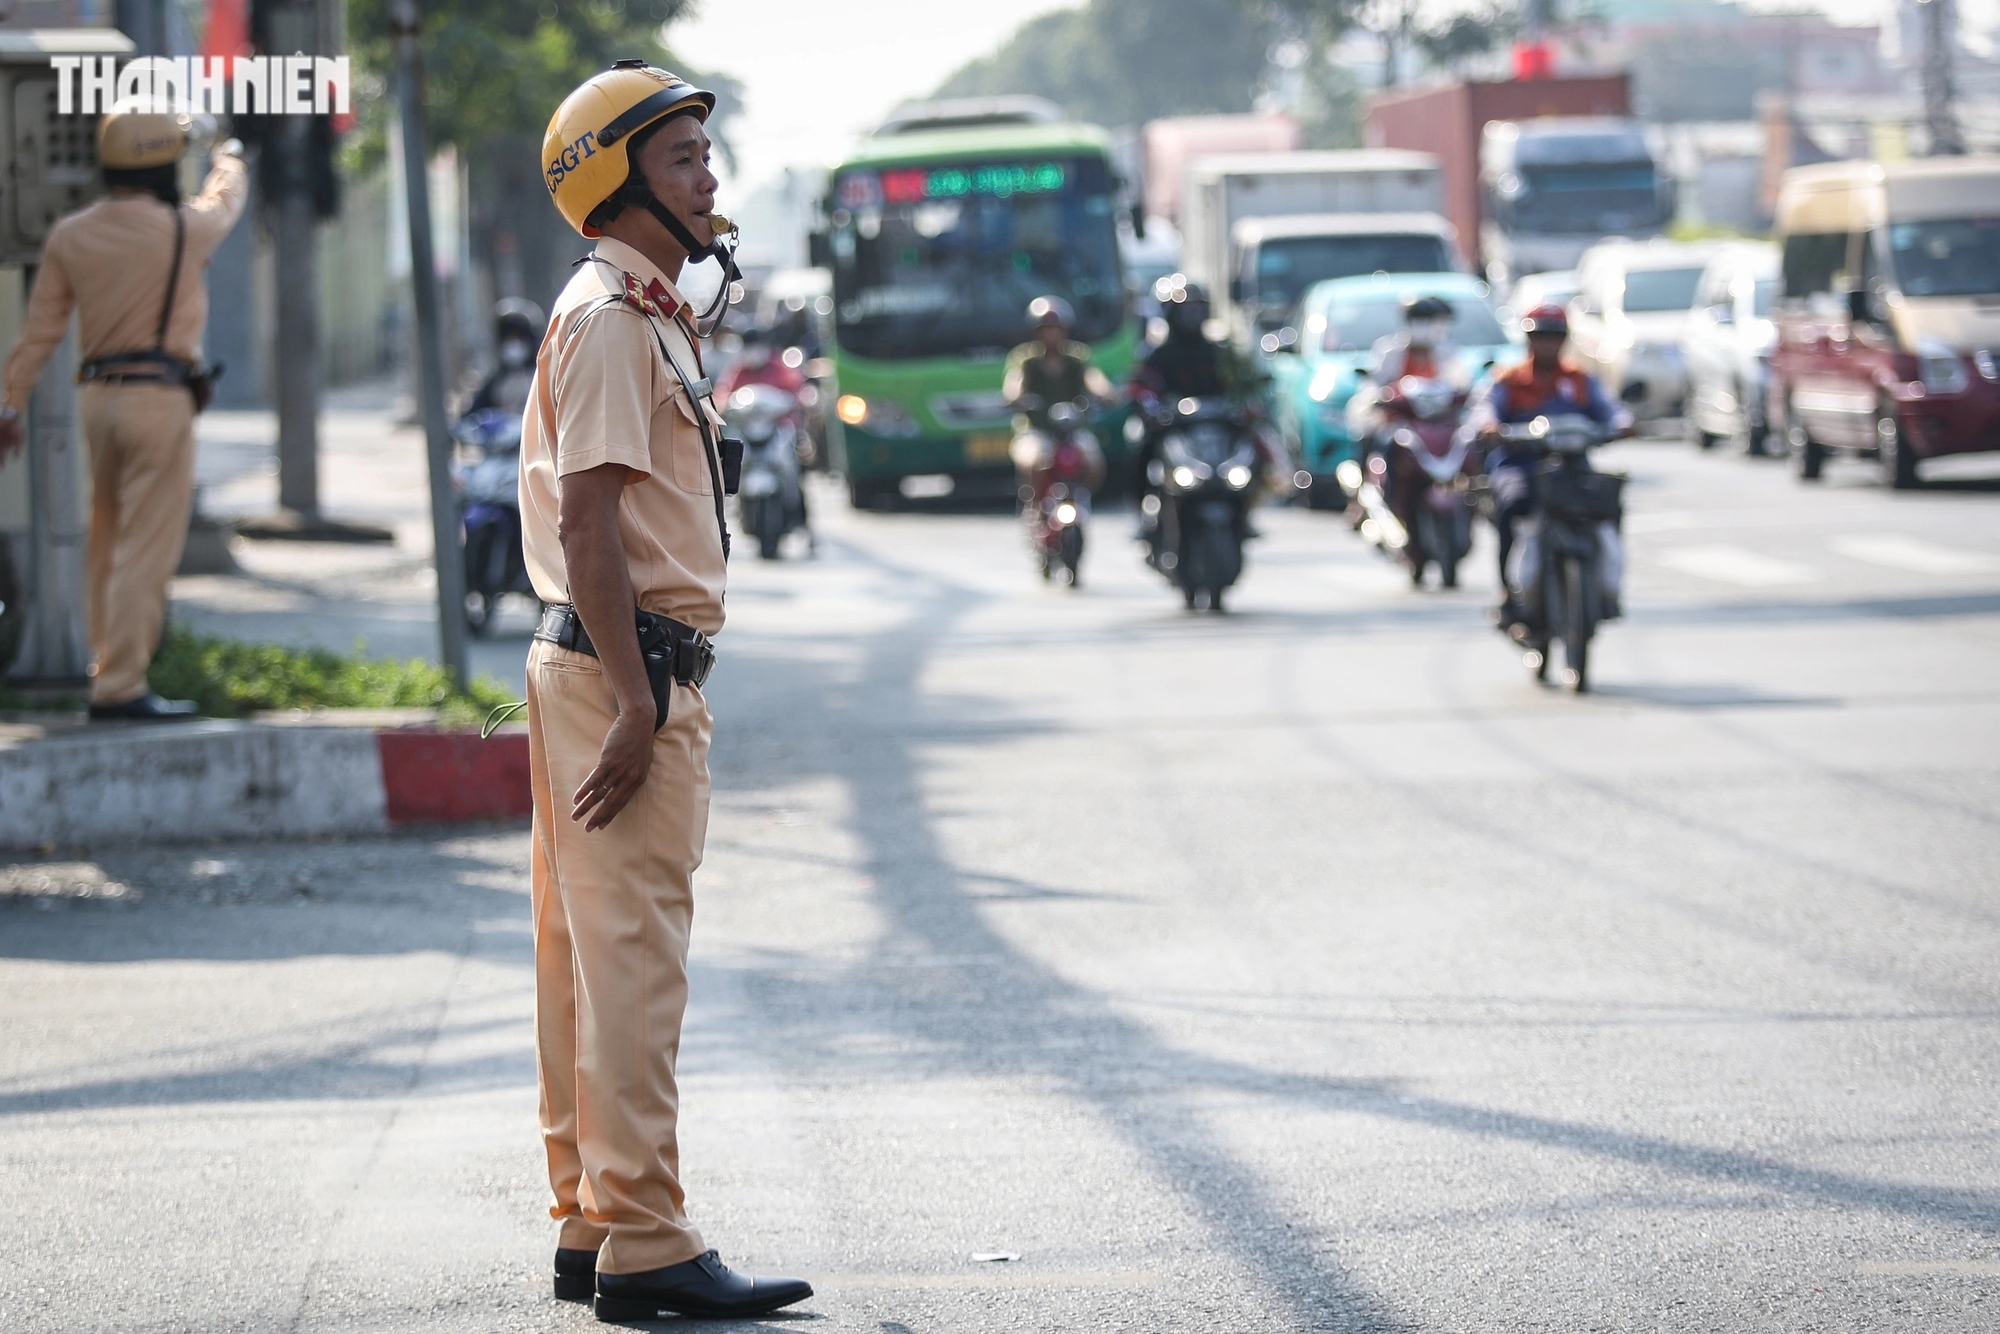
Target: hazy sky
(817, 72)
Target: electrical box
(51, 159)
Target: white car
(1629, 315)
(1728, 345)
(1541, 289)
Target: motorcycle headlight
(1065, 513)
(1184, 477)
(1941, 368)
(1238, 477)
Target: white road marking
(1737, 565)
(1913, 553)
(995, 1277)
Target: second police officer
(621, 510)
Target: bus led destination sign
(910, 185)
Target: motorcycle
(771, 499)
(1202, 488)
(1568, 559)
(489, 508)
(1060, 467)
(1424, 468)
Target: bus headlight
(883, 416)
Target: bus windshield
(940, 258)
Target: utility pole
(55, 643)
(406, 22)
(1940, 85)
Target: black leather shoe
(148, 708)
(703, 1286)
(576, 1274)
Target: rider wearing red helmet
(1547, 384)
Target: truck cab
(1554, 186)
(1274, 260)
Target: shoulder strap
(173, 281)
(710, 450)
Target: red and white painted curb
(218, 779)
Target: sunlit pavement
(1307, 967)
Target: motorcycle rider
(759, 362)
(1422, 347)
(518, 325)
(1547, 384)
(1051, 369)
(1187, 363)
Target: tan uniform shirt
(604, 394)
(109, 261)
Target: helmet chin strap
(711, 319)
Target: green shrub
(227, 678)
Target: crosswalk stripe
(1737, 565)
(1902, 552)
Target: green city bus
(939, 232)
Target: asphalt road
(1304, 968)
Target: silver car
(1728, 347)
(1627, 320)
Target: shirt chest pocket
(688, 450)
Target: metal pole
(55, 641)
(1940, 91)
(293, 225)
(294, 222)
(406, 21)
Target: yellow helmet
(128, 140)
(584, 159)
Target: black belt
(154, 367)
(661, 638)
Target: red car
(1888, 327)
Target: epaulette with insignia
(653, 298)
(636, 294)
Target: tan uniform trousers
(612, 914)
(141, 443)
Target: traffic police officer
(621, 511)
(131, 266)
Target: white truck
(1252, 272)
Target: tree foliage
(497, 69)
(1120, 62)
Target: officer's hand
(226, 149)
(621, 770)
(10, 436)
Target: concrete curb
(218, 779)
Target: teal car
(1316, 370)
